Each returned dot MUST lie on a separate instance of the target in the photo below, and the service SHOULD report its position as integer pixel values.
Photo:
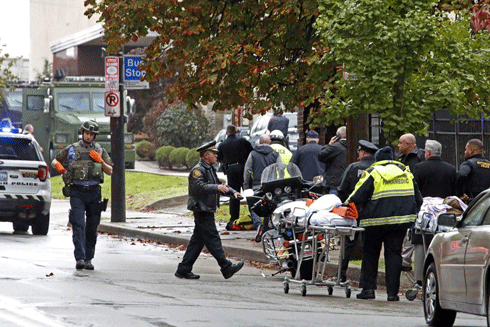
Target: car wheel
(129, 165)
(20, 227)
(40, 225)
(434, 314)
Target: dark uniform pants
(392, 239)
(84, 231)
(234, 174)
(205, 234)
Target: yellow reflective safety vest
(387, 192)
(283, 152)
(285, 155)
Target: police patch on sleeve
(196, 173)
(364, 174)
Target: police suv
(25, 187)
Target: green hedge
(192, 158)
(146, 149)
(162, 156)
(177, 157)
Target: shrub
(177, 157)
(180, 127)
(192, 158)
(162, 155)
(146, 149)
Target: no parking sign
(112, 102)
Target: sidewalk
(170, 222)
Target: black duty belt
(86, 188)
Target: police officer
(232, 153)
(278, 145)
(349, 180)
(83, 165)
(391, 200)
(354, 171)
(204, 191)
(474, 174)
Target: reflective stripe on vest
(387, 220)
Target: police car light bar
(6, 126)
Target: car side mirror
(47, 104)
(447, 219)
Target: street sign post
(132, 74)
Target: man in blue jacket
(306, 157)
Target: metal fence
(452, 132)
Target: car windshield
(279, 171)
(14, 100)
(74, 102)
(17, 149)
(98, 102)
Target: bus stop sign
(132, 75)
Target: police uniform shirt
(352, 175)
(473, 176)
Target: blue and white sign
(132, 74)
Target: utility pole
(118, 181)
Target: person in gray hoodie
(262, 156)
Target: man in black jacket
(349, 180)
(334, 155)
(474, 174)
(410, 154)
(306, 157)
(204, 191)
(232, 153)
(435, 178)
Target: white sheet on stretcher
(327, 218)
(431, 208)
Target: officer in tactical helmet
(83, 165)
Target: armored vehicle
(58, 109)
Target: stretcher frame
(320, 256)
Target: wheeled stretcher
(314, 250)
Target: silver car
(456, 277)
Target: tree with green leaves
(180, 127)
(47, 72)
(234, 53)
(408, 60)
(6, 64)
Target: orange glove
(96, 156)
(59, 168)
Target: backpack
(242, 223)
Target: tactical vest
(83, 167)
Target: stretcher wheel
(411, 294)
(347, 293)
(330, 290)
(286, 287)
(303, 289)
